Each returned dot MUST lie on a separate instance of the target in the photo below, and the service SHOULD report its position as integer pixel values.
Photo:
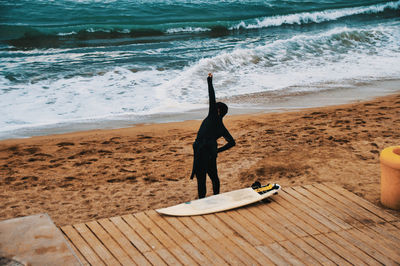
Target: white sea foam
(117, 92)
(66, 33)
(314, 17)
(92, 30)
(304, 62)
(187, 29)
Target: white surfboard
(221, 202)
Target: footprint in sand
(9, 179)
(35, 159)
(105, 151)
(115, 180)
(82, 163)
(55, 165)
(30, 178)
(85, 152)
(32, 150)
(131, 178)
(63, 144)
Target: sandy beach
(78, 177)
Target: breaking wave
(315, 17)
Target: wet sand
(78, 177)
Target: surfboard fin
(266, 200)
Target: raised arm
(211, 95)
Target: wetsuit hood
(223, 109)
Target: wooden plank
(312, 213)
(369, 250)
(392, 229)
(196, 241)
(363, 216)
(175, 249)
(389, 250)
(228, 244)
(210, 241)
(89, 256)
(338, 217)
(229, 233)
(351, 217)
(299, 253)
(292, 230)
(358, 234)
(82, 259)
(387, 231)
(324, 250)
(254, 227)
(338, 249)
(96, 245)
(264, 222)
(272, 255)
(285, 254)
(298, 223)
(365, 204)
(348, 246)
(177, 237)
(150, 240)
(324, 212)
(357, 211)
(397, 224)
(109, 243)
(123, 242)
(302, 211)
(249, 233)
(276, 230)
(314, 253)
(239, 228)
(137, 241)
(300, 214)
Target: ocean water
(69, 62)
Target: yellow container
(390, 177)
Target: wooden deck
(308, 225)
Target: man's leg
(201, 182)
(201, 173)
(213, 174)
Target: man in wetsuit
(205, 147)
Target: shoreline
(82, 176)
(255, 103)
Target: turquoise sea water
(66, 62)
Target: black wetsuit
(205, 147)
